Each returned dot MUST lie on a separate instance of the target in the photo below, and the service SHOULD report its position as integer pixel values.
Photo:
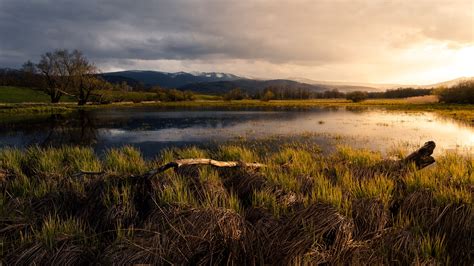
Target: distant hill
(116, 79)
(382, 86)
(348, 84)
(215, 83)
(165, 79)
(448, 83)
(253, 86)
(249, 85)
(219, 83)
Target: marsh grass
(55, 228)
(303, 207)
(126, 160)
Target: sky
(377, 41)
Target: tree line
(287, 93)
(460, 93)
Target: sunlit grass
(55, 229)
(192, 152)
(127, 160)
(327, 192)
(267, 200)
(451, 180)
(12, 160)
(433, 247)
(178, 192)
(379, 187)
(237, 153)
(358, 157)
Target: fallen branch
(186, 162)
(81, 173)
(67, 93)
(422, 158)
(202, 161)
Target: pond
(152, 129)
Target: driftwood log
(203, 161)
(421, 158)
(187, 162)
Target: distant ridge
(253, 86)
(166, 79)
(214, 82)
(218, 82)
(383, 86)
(448, 83)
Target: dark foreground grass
(304, 207)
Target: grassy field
(304, 206)
(204, 97)
(10, 94)
(26, 95)
(20, 95)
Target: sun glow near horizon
(432, 63)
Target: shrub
(235, 94)
(269, 95)
(461, 93)
(357, 96)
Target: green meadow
(9, 94)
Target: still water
(153, 129)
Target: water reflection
(153, 129)
(53, 130)
(81, 130)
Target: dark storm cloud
(276, 32)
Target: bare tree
(67, 73)
(86, 85)
(54, 67)
(84, 77)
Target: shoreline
(460, 112)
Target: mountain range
(218, 83)
(167, 80)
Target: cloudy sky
(379, 41)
